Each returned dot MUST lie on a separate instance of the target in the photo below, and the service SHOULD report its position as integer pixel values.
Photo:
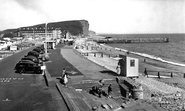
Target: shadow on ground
(109, 72)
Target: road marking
(30, 74)
(9, 79)
(20, 78)
(6, 99)
(14, 78)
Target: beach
(165, 85)
(110, 63)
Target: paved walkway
(89, 69)
(81, 71)
(57, 62)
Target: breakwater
(134, 40)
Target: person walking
(118, 69)
(65, 80)
(99, 88)
(145, 72)
(109, 90)
(63, 73)
(64, 77)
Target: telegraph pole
(45, 44)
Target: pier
(134, 40)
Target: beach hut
(128, 66)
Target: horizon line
(134, 33)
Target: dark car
(33, 53)
(31, 56)
(27, 66)
(40, 51)
(33, 59)
(40, 47)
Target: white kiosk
(129, 66)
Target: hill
(75, 27)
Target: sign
(43, 67)
(13, 48)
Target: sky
(104, 16)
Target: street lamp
(45, 44)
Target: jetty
(133, 40)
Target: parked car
(33, 53)
(40, 51)
(33, 59)
(26, 61)
(27, 66)
(40, 47)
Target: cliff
(75, 27)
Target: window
(132, 63)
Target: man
(100, 85)
(109, 90)
(63, 73)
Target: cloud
(112, 16)
(13, 15)
(28, 4)
(34, 5)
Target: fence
(160, 74)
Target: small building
(128, 66)
(51, 44)
(13, 48)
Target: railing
(160, 74)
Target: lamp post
(45, 44)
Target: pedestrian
(63, 73)
(158, 74)
(144, 60)
(99, 92)
(145, 72)
(109, 90)
(100, 83)
(118, 69)
(65, 80)
(99, 88)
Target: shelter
(128, 66)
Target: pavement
(83, 74)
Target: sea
(171, 52)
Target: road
(26, 92)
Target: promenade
(83, 75)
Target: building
(128, 66)
(40, 31)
